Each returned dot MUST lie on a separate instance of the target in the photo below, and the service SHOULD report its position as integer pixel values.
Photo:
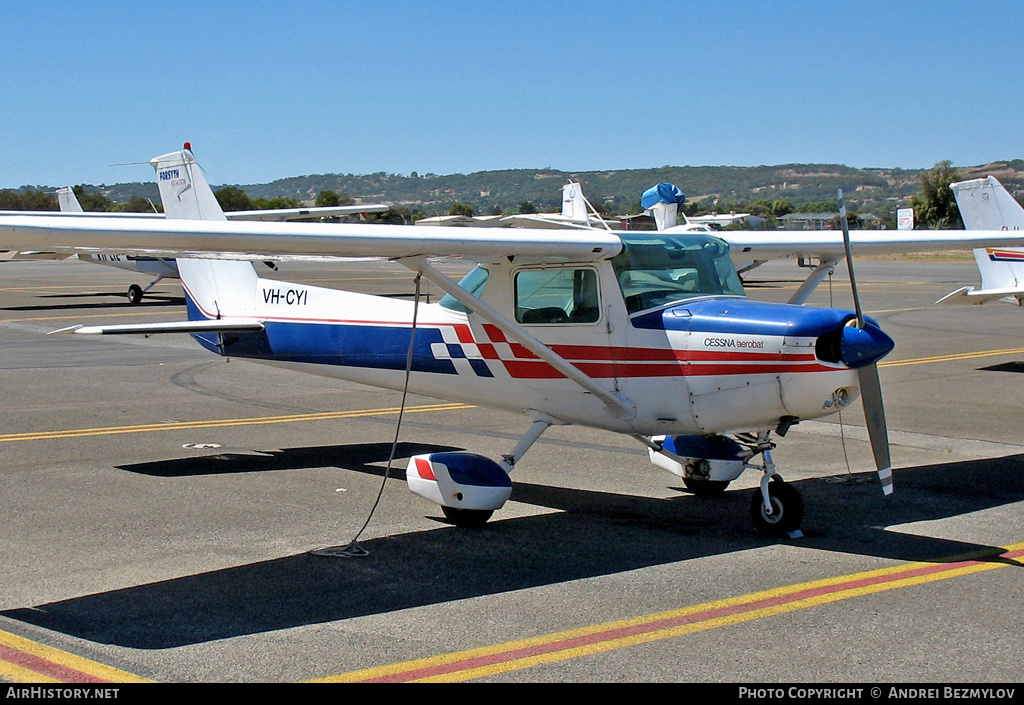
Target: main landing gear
(469, 487)
(708, 464)
(135, 293)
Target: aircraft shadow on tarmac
(590, 534)
(1014, 366)
(150, 300)
(358, 456)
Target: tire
(787, 514)
(134, 294)
(706, 488)
(467, 518)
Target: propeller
(861, 344)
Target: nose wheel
(776, 508)
(781, 514)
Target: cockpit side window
(656, 270)
(557, 296)
(473, 283)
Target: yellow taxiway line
(220, 423)
(25, 661)
(586, 641)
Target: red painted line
(47, 668)
(535, 369)
(677, 621)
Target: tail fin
(574, 205)
(663, 201)
(213, 288)
(183, 188)
(986, 205)
(67, 201)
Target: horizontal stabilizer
(970, 295)
(204, 326)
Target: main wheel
(706, 488)
(134, 294)
(787, 510)
(467, 518)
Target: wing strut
(812, 281)
(621, 406)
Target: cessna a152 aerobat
(645, 334)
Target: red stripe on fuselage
(538, 369)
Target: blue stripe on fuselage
(351, 345)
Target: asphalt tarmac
(160, 506)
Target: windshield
(658, 269)
(473, 283)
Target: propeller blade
(874, 417)
(870, 385)
(849, 257)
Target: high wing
(828, 244)
(749, 248)
(259, 241)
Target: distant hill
(878, 191)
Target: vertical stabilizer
(574, 205)
(183, 188)
(986, 205)
(662, 201)
(213, 288)
(67, 201)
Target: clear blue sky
(266, 90)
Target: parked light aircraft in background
(646, 334)
(161, 268)
(576, 212)
(820, 251)
(661, 201)
(985, 204)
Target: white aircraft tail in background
(577, 212)
(985, 204)
(67, 200)
(662, 201)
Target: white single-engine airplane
(646, 334)
(985, 204)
